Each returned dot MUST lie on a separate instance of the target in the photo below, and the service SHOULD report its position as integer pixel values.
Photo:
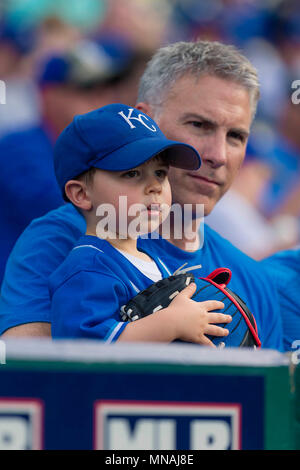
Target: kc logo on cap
(139, 118)
(116, 137)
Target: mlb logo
(121, 425)
(21, 424)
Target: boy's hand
(182, 307)
(193, 320)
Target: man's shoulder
(65, 216)
(47, 239)
(215, 242)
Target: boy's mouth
(154, 208)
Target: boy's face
(137, 201)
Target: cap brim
(138, 152)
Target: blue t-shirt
(284, 267)
(283, 160)
(89, 288)
(48, 240)
(41, 248)
(28, 183)
(249, 279)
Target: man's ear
(145, 108)
(76, 191)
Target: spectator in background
(71, 82)
(21, 101)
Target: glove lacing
(182, 271)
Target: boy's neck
(128, 245)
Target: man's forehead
(214, 120)
(211, 98)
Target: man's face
(214, 116)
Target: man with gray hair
(205, 92)
(201, 93)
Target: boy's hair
(87, 176)
(198, 58)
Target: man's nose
(214, 152)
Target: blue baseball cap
(115, 137)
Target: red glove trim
(250, 326)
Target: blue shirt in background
(284, 267)
(28, 185)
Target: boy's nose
(153, 185)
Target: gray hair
(198, 58)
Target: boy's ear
(76, 191)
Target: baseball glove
(242, 328)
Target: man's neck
(186, 237)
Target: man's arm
(25, 300)
(29, 329)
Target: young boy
(112, 153)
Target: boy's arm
(183, 319)
(88, 305)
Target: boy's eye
(162, 173)
(130, 174)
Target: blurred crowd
(59, 58)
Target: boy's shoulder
(83, 254)
(89, 254)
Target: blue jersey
(47, 241)
(89, 288)
(284, 267)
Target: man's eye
(237, 136)
(203, 125)
(196, 123)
